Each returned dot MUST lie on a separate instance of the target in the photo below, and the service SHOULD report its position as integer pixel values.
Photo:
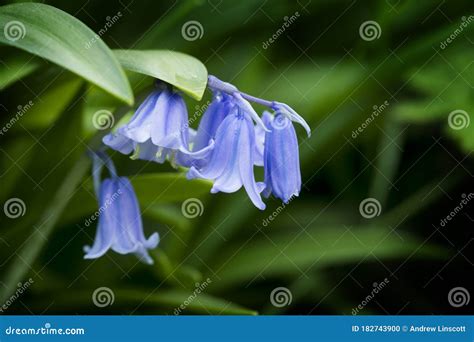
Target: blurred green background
(321, 253)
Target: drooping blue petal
(231, 162)
(104, 236)
(246, 162)
(260, 138)
(119, 142)
(219, 108)
(158, 131)
(139, 127)
(170, 122)
(120, 225)
(281, 158)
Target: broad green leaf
(288, 254)
(183, 71)
(14, 68)
(62, 39)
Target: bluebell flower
(202, 140)
(281, 158)
(219, 108)
(157, 131)
(120, 225)
(232, 159)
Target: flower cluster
(230, 141)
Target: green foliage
(183, 71)
(60, 38)
(327, 73)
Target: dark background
(319, 246)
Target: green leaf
(15, 68)
(183, 71)
(289, 255)
(62, 39)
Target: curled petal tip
(283, 108)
